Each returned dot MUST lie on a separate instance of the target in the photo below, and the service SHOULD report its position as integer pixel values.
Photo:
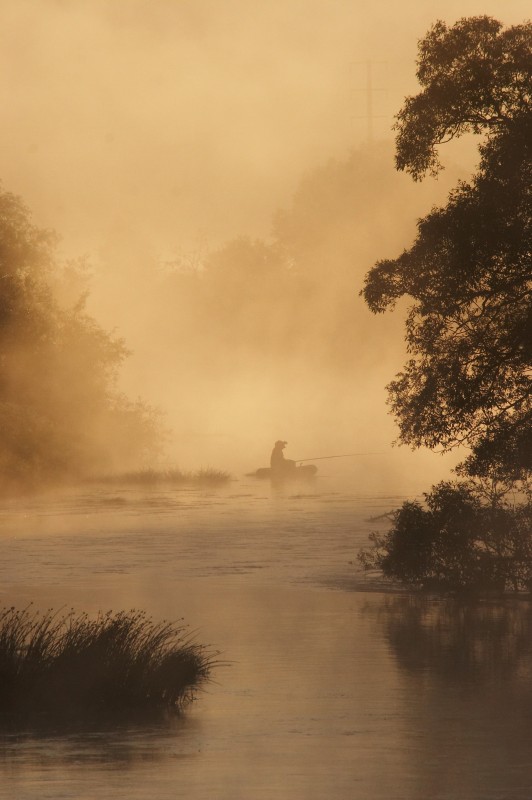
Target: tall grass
(174, 476)
(69, 664)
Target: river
(332, 686)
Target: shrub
(71, 665)
(459, 540)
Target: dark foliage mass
(469, 329)
(459, 540)
(475, 76)
(61, 416)
(71, 665)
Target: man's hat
(280, 442)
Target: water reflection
(466, 673)
(457, 642)
(351, 695)
(103, 742)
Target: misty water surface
(336, 687)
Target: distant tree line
(285, 299)
(290, 296)
(61, 415)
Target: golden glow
(141, 130)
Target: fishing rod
(345, 455)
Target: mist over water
(151, 136)
(328, 675)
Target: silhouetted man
(278, 463)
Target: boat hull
(297, 473)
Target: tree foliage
(458, 541)
(469, 328)
(61, 415)
(475, 77)
(289, 297)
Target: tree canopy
(476, 76)
(288, 297)
(469, 328)
(61, 415)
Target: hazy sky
(167, 121)
(139, 128)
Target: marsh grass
(69, 665)
(151, 477)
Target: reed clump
(67, 664)
(173, 476)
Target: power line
(369, 90)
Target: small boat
(305, 471)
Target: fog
(229, 177)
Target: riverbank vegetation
(64, 665)
(206, 477)
(467, 381)
(62, 416)
(464, 538)
(61, 413)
